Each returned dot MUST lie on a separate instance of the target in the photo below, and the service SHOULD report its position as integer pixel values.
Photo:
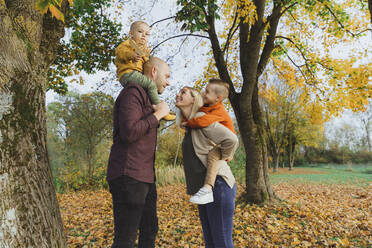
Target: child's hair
(135, 24)
(222, 87)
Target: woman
(216, 217)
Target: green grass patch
(328, 174)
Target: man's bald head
(158, 70)
(152, 62)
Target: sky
(187, 61)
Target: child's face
(140, 34)
(209, 95)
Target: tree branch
(177, 36)
(299, 49)
(270, 38)
(162, 20)
(218, 55)
(342, 25)
(231, 32)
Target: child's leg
(205, 194)
(212, 168)
(145, 82)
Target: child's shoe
(169, 117)
(203, 196)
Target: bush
(72, 178)
(237, 165)
(332, 156)
(169, 141)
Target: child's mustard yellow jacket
(124, 58)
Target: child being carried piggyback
(215, 92)
(130, 57)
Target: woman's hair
(198, 103)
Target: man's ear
(153, 71)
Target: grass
(170, 175)
(360, 175)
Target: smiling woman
(216, 217)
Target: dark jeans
(217, 217)
(134, 206)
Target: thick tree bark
(245, 104)
(29, 213)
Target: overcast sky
(186, 61)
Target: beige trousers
(212, 167)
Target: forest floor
(310, 213)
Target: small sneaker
(169, 117)
(203, 196)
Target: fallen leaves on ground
(310, 215)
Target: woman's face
(184, 98)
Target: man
(131, 172)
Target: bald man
(131, 171)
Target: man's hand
(161, 110)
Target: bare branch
(301, 52)
(179, 50)
(275, 15)
(311, 82)
(218, 55)
(286, 9)
(297, 66)
(177, 36)
(231, 32)
(227, 50)
(270, 38)
(342, 25)
(162, 20)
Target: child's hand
(136, 57)
(147, 51)
(183, 124)
(228, 159)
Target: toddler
(130, 57)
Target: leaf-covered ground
(311, 215)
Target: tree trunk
(291, 152)
(258, 186)
(276, 161)
(368, 136)
(29, 213)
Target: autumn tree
(29, 43)
(365, 118)
(280, 34)
(83, 122)
(291, 120)
(278, 110)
